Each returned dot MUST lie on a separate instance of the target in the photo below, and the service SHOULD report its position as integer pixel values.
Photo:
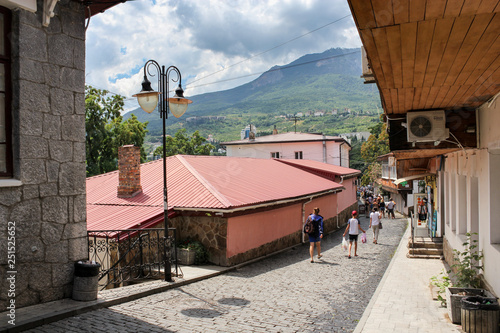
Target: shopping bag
(363, 237)
(380, 225)
(344, 244)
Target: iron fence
(128, 256)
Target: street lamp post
(148, 100)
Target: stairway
(425, 248)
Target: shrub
(201, 255)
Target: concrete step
(422, 256)
(428, 243)
(425, 251)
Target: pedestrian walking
(317, 233)
(353, 226)
(390, 208)
(381, 205)
(375, 224)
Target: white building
(317, 147)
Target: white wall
(310, 150)
(472, 193)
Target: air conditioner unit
(427, 126)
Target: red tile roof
(198, 182)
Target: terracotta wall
(348, 196)
(253, 230)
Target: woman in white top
(374, 223)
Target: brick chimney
(129, 168)
(275, 130)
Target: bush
(201, 255)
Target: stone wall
(210, 231)
(48, 111)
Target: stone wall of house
(48, 111)
(209, 230)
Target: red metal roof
(323, 167)
(287, 137)
(204, 182)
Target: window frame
(275, 154)
(6, 59)
(299, 155)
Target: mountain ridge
(320, 81)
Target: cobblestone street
(283, 293)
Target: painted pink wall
(247, 232)
(348, 196)
(327, 206)
(250, 231)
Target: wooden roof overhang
(94, 7)
(431, 55)
(440, 54)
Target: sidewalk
(403, 300)
(40, 314)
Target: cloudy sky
(216, 44)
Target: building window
(5, 114)
(298, 155)
(385, 170)
(275, 155)
(393, 172)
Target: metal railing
(131, 255)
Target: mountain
(322, 81)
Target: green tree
(376, 145)
(105, 131)
(180, 143)
(128, 132)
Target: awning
(422, 175)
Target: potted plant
(191, 252)
(466, 277)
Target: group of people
(353, 226)
(378, 202)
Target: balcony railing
(128, 256)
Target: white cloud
(203, 37)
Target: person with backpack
(314, 228)
(353, 226)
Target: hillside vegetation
(317, 82)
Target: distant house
(317, 147)
(239, 208)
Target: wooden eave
(94, 7)
(429, 55)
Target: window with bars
(5, 114)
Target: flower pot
(186, 256)
(453, 298)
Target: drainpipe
(304, 219)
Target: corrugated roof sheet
(330, 168)
(205, 182)
(286, 137)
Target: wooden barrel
(480, 315)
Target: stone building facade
(45, 197)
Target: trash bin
(480, 314)
(85, 281)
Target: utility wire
(268, 50)
(277, 69)
(261, 53)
